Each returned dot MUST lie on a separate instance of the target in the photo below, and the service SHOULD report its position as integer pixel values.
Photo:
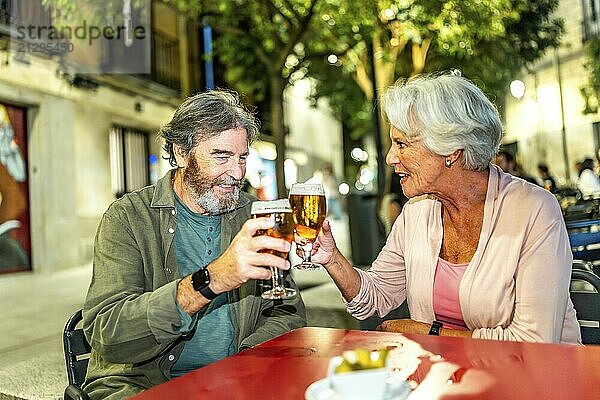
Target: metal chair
(581, 264)
(77, 352)
(583, 209)
(587, 305)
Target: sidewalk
(35, 308)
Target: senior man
(176, 264)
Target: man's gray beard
(211, 203)
(201, 190)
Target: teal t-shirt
(198, 242)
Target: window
(4, 13)
(165, 46)
(128, 159)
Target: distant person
(177, 265)
(325, 176)
(548, 181)
(507, 162)
(393, 201)
(332, 192)
(475, 250)
(587, 182)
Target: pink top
(517, 283)
(446, 302)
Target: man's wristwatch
(200, 282)
(436, 326)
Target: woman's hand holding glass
(324, 247)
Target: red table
(284, 367)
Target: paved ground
(35, 308)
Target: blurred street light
(344, 189)
(517, 89)
(359, 154)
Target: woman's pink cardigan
(516, 287)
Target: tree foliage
(591, 91)
(490, 41)
(353, 50)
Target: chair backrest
(581, 264)
(77, 350)
(584, 236)
(583, 225)
(587, 305)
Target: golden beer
(280, 212)
(283, 228)
(309, 211)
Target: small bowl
(366, 384)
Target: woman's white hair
(449, 113)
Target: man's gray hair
(449, 113)
(206, 115)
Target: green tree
(490, 41)
(346, 46)
(267, 44)
(591, 91)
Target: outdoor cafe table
(284, 367)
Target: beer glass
(309, 209)
(281, 213)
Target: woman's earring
(448, 163)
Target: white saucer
(321, 390)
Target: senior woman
(476, 252)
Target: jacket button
(171, 230)
(171, 357)
(173, 212)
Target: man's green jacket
(130, 315)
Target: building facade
(87, 139)
(552, 122)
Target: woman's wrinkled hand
(324, 246)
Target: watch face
(200, 279)
(435, 328)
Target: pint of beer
(309, 210)
(281, 213)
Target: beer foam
(271, 206)
(307, 188)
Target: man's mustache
(228, 181)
